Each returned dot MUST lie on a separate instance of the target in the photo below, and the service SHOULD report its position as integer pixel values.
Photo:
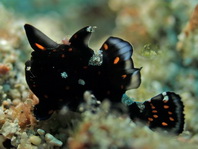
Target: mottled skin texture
(59, 75)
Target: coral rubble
(167, 53)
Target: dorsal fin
(81, 37)
(117, 57)
(38, 40)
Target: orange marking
(122, 86)
(106, 46)
(150, 119)
(164, 124)
(116, 60)
(154, 111)
(50, 112)
(70, 49)
(170, 112)
(165, 101)
(85, 67)
(124, 76)
(40, 46)
(152, 107)
(45, 96)
(171, 119)
(166, 107)
(63, 55)
(155, 116)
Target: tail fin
(162, 111)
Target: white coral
(8, 128)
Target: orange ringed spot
(40, 46)
(106, 46)
(116, 60)
(164, 124)
(124, 76)
(150, 119)
(171, 119)
(155, 116)
(152, 107)
(170, 112)
(166, 107)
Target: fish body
(60, 74)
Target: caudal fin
(163, 111)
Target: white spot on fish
(81, 82)
(64, 75)
(28, 68)
(91, 29)
(164, 93)
(166, 98)
(96, 59)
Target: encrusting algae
(99, 127)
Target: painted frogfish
(60, 74)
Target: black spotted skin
(59, 74)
